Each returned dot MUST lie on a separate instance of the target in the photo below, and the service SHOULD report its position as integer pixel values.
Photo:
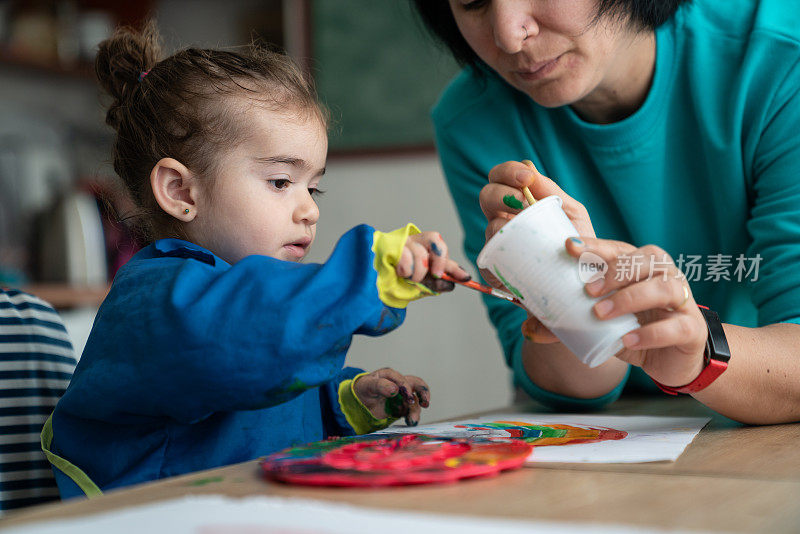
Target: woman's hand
(424, 259)
(508, 179)
(670, 343)
(387, 393)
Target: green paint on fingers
(512, 202)
(394, 406)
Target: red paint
(606, 434)
(372, 461)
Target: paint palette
(393, 460)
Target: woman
(674, 125)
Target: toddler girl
(215, 344)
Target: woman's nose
(511, 26)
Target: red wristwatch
(717, 355)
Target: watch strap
(710, 372)
(717, 355)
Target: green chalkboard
(377, 71)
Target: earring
(186, 210)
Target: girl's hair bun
(121, 60)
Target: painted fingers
(388, 393)
(502, 198)
(425, 258)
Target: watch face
(717, 345)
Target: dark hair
(185, 107)
(438, 19)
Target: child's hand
(387, 393)
(424, 259)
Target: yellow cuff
(393, 290)
(358, 415)
(80, 478)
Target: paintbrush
(472, 284)
(525, 190)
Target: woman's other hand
(507, 180)
(669, 346)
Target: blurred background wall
(374, 68)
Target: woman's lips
(538, 70)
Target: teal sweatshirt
(708, 168)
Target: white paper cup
(529, 257)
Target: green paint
(511, 288)
(512, 202)
(204, 481)
(394, 406)
(530, 433)
(296, 386)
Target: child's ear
(175, 188)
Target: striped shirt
(36, 363)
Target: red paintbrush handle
(472, 284)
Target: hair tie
(142, 75)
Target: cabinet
(58, 37)
(52, 138)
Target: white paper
(649, 438)
(216, 514)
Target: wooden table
(732, 478)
